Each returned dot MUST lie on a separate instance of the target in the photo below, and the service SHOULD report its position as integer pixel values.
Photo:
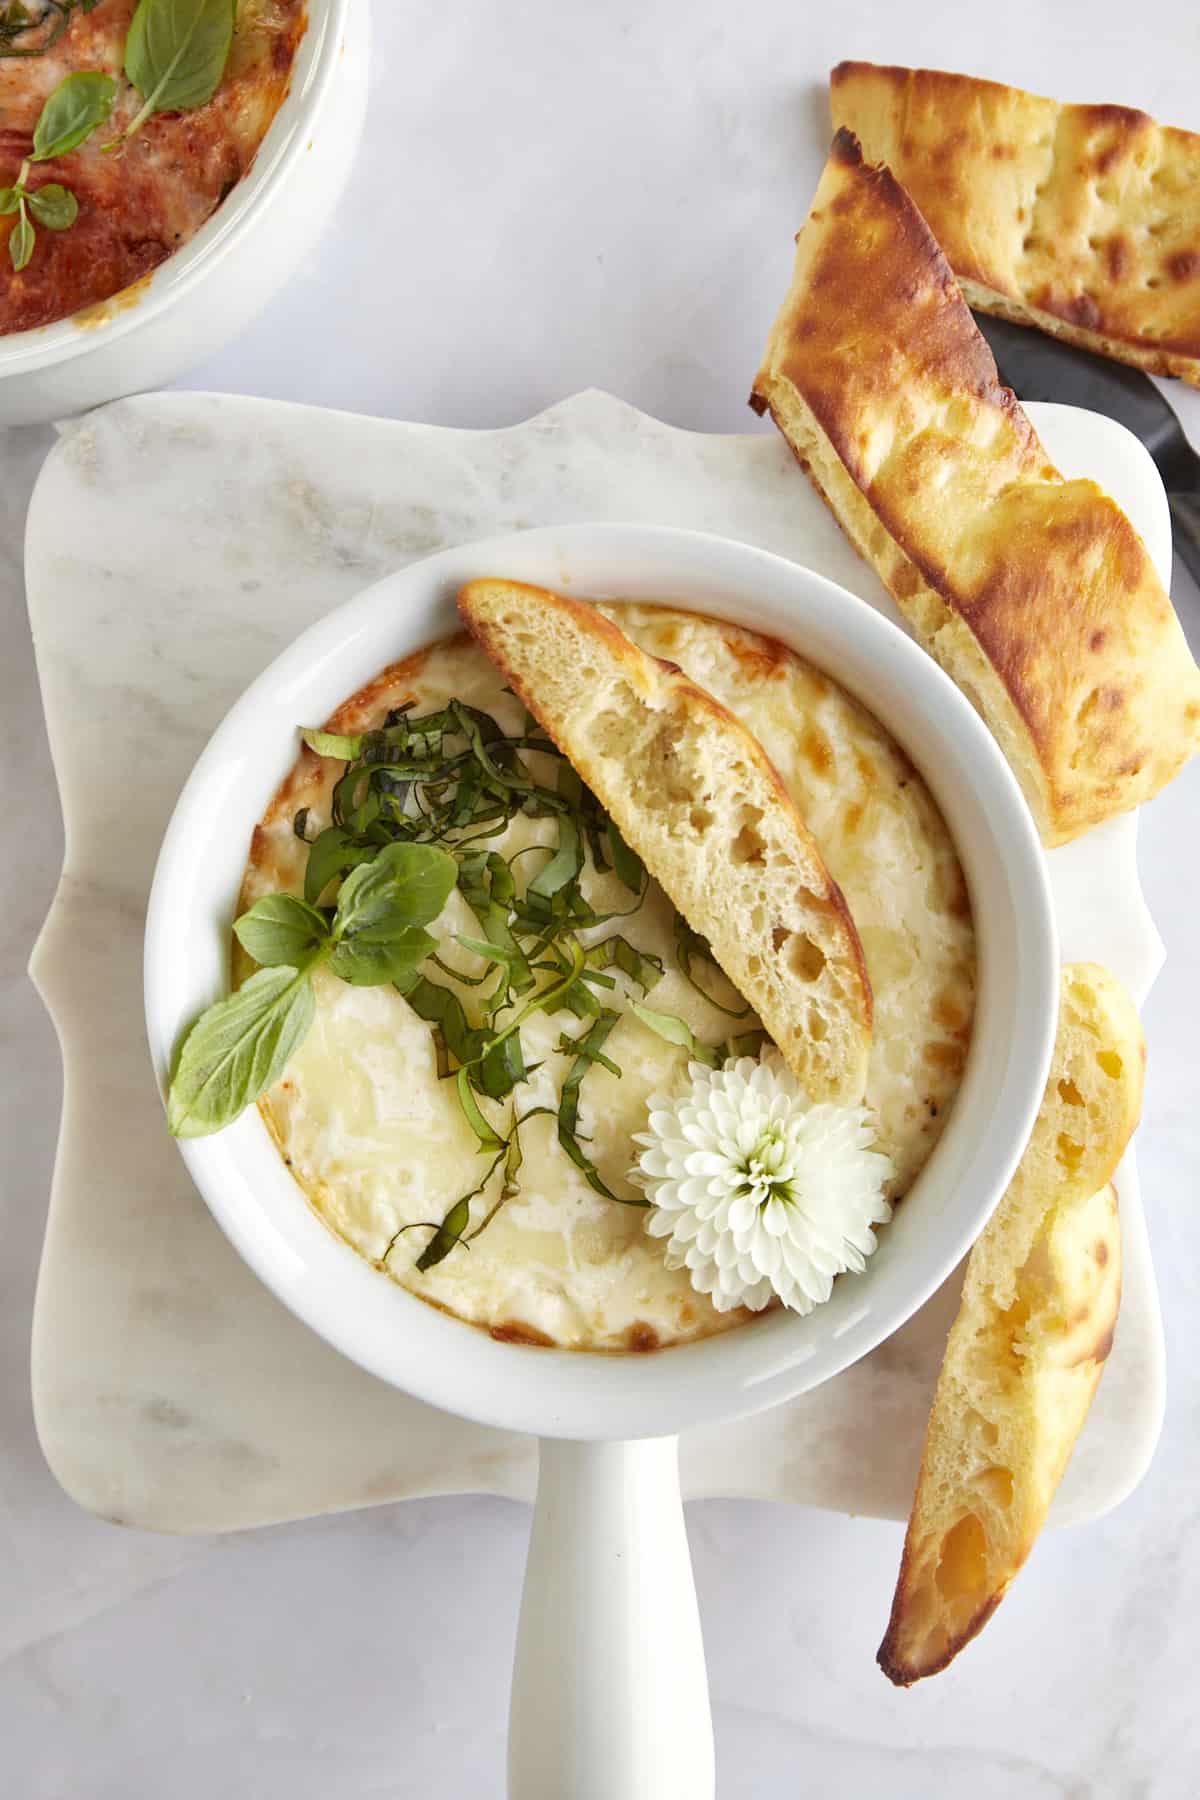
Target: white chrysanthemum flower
(757, 1190)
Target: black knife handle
(1183, 497)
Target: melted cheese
(378, 1143)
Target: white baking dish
(208, 290)
(609, 1697)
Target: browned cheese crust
(1034, 593)
(1083, 220)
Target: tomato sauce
(143, 201)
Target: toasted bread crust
(639, 667)
(1026, 1351)
(901, 1673)
(896, 1655)
(1083, 220)
(1034, 593)
(593, 663)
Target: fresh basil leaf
(10, 200)
(441, 1007)
(591, 815)
(507, 962)
(549, 998)
(17, 22)
(364, 963)
(500, 1068)
(581, 1002)
(236, 1049)
(485, 1131)
(588, 1051)
(71, 114)
(618, 952)
(461, 974)
(514, 1156)
(355, 803)
(493, 953)
(281, 929)
(675, 1031)
(626, 862)
(486, 884)
(501, 884)
(175, 54)
(54, 206)
(21, 240)
(331, 744)
(563, 869)
(15, 17)
(492, 751)
(331, 853)
(451, 1228)
(568, 1046)
(405, 884)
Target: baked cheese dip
(123, 126)
(368, 1114)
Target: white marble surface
(286, 511)
(578, 202)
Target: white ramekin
(609, 1604)
(208, 290)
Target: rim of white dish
(312, 71)
(439, 1358)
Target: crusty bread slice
(693, 792)
(1082, 220)
(1034, 593)
(1027, 1349)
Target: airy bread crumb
(1027, 1349)
(695, 795)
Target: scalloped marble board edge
(175, 544)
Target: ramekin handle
(610, 1692)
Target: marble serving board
(175, 544)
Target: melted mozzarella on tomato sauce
(138, 205)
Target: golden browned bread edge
(1021, 1219)
(967, 657)
(890, 1656)
(635, 662)
(1136, 351)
